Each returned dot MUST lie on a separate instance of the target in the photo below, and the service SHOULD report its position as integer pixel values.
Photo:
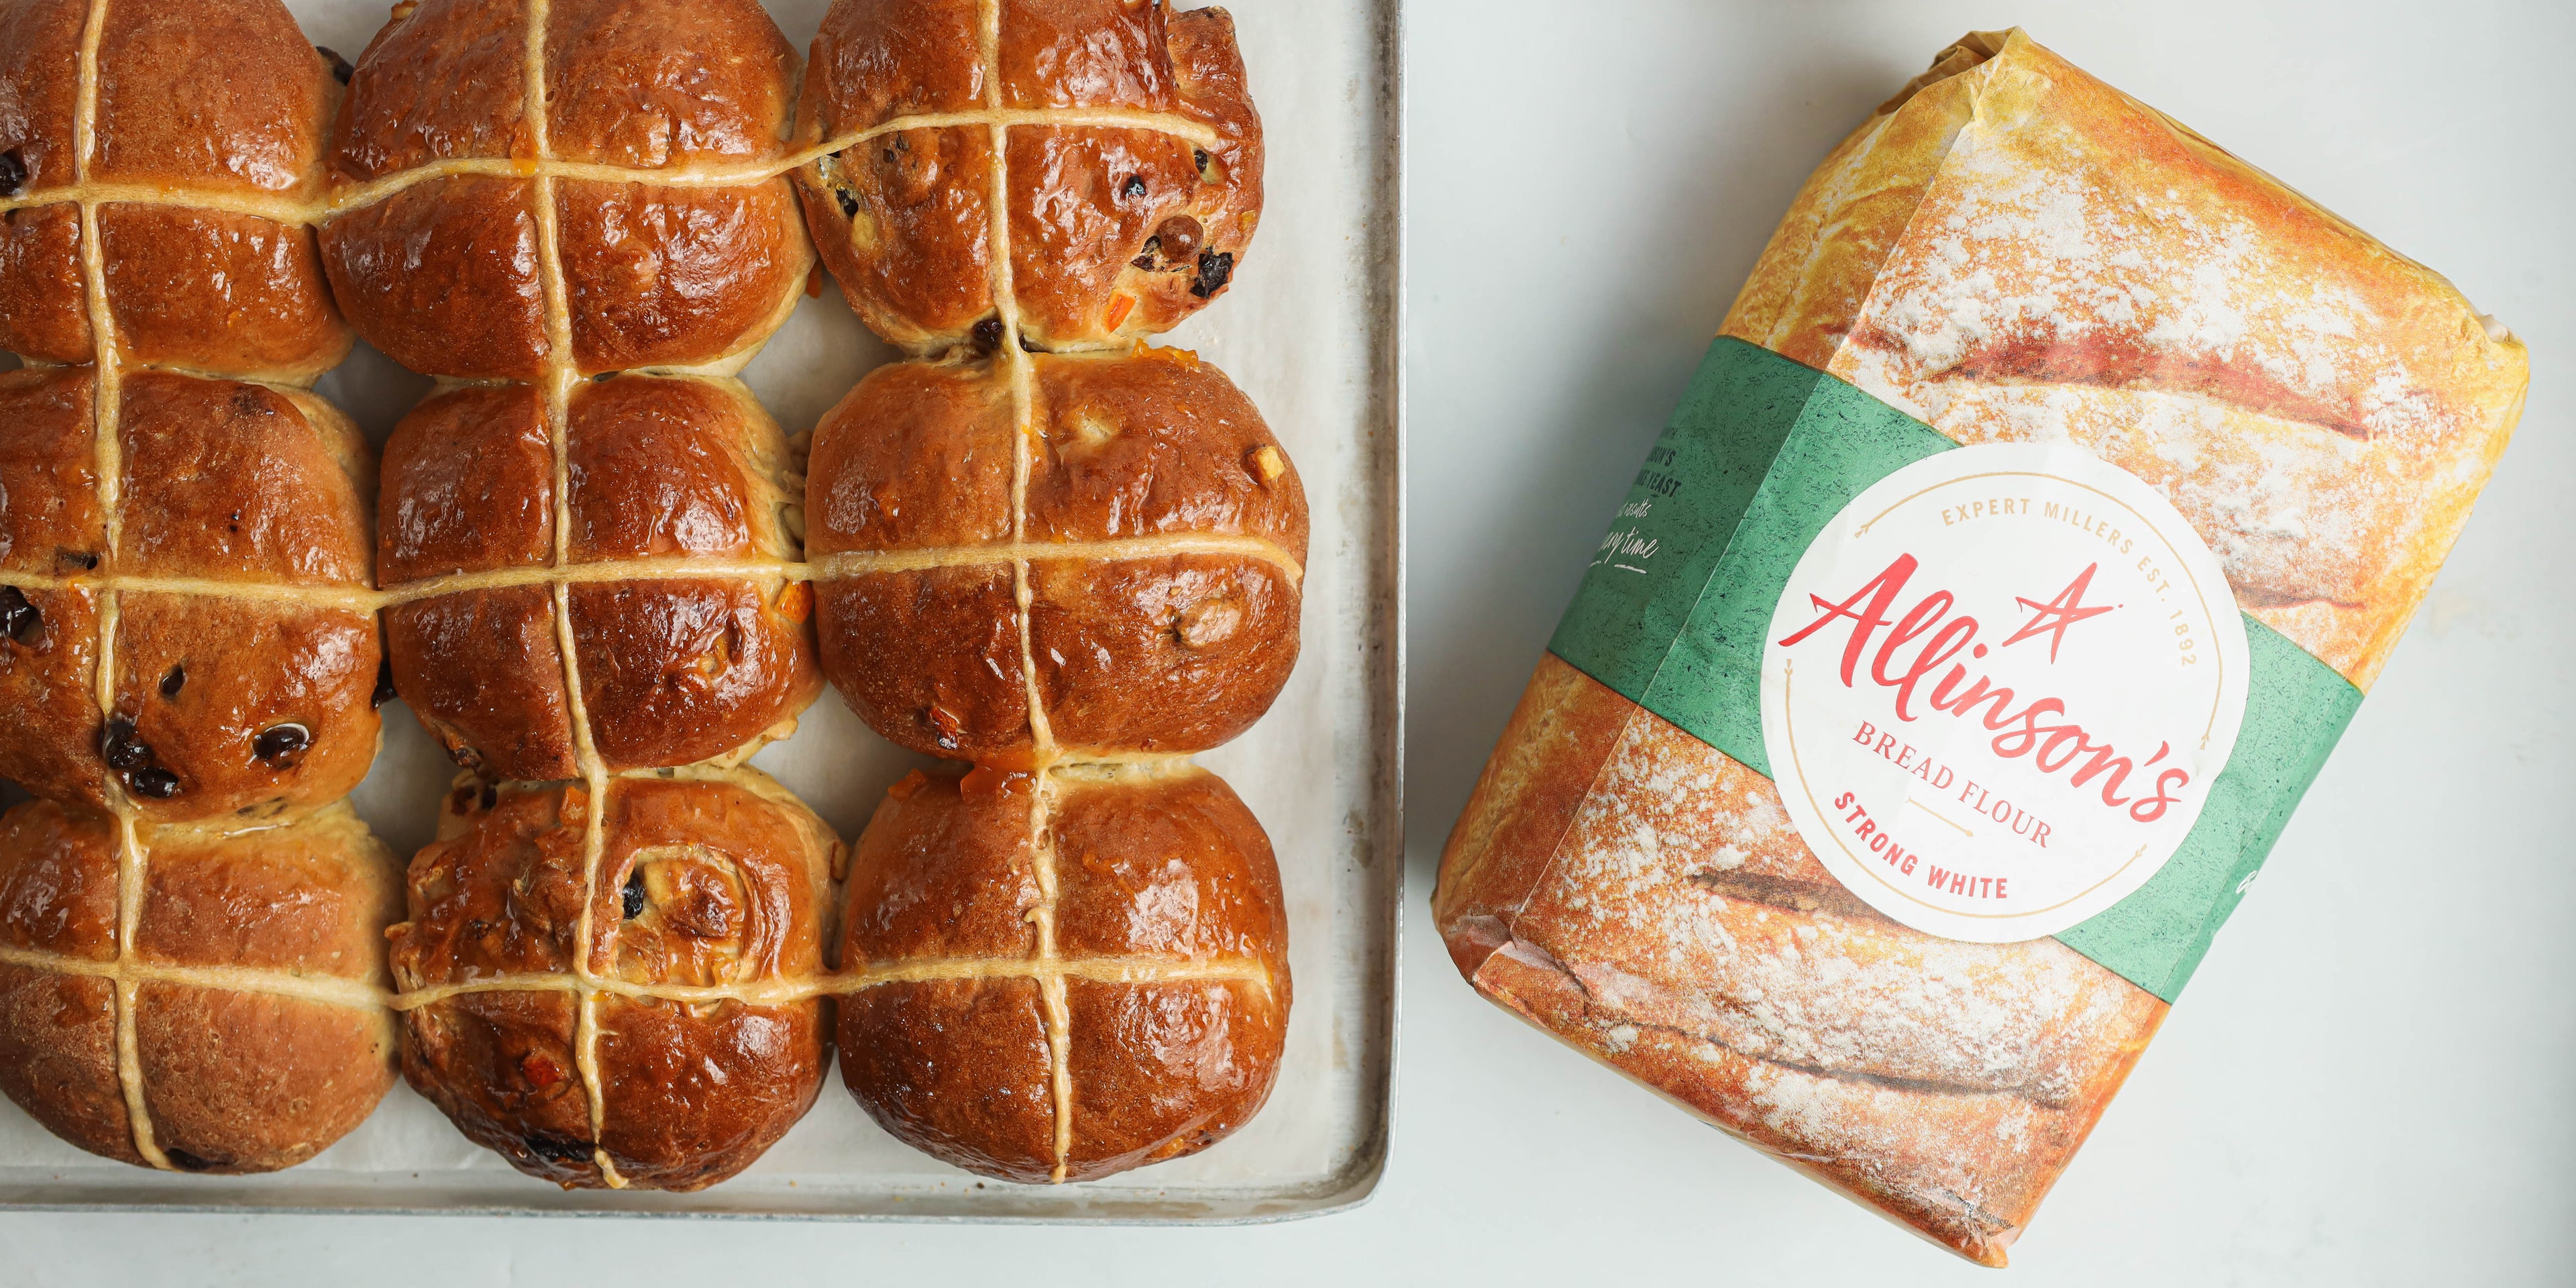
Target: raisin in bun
(1160, 530)
(1061, 976)
(203, 172)
(690, 639)
(640, 186)
(236, 1022)
(1119, 135)
(223, 575)
(630, 999)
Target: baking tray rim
(1356, 1183)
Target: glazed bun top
(234, 1022)
(715, 879)
(219, 481)
(1061, 979)
(1164, 534)
(878, 60)
(620, 986)
(448, 81)
(173, 151)
(242, 651)
(1155, 863)
(1156, 445)
(211, 95)
(656, 468)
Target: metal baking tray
(1313, 331)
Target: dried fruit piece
(1178, 239)
(121, 749)
(540, 1070)
(1266, 464)
(557, 1149)
(20, 620)
(1216, 268)
(279, 746)
(948, 725)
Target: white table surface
(2368, 1081)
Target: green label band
(1761, 454)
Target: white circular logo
(1999, 687)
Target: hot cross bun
(1160, 530)
(1117, 136)
(235, 1023)
(202, 216)
(664, 477)
(222, 575)
(1068, 1000)
(631, 998)
(634, 219)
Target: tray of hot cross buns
(688, 607)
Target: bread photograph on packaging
(2051, 494)
(1044, 558)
